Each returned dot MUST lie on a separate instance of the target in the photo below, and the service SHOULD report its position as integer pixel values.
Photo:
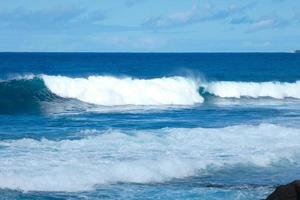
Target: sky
(150, 25)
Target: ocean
(148, 125)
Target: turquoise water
(148, 126)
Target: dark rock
(290, 191)
(297, 51)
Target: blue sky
(150, 25)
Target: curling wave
(34, 93)
(29, 93)
(111, 91)
(24, 94)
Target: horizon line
(148, 52)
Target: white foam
(110, 91)
(140, 156)
(230, 89)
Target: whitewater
(142, 156)
(109, 91)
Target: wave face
(23, 94)
(277, 90)
(110, 91)
(141, 156)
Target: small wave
(141, 156)
(231, 89)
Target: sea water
(148, 126)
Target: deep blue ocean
(148, 125)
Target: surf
(103, 157)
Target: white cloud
(267, 23)
(194, 15)
(52, 17)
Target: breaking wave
(277, 90)
(28, 93)
(111, 91)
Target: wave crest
(110, 91)
(231, 89)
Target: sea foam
(141, 156)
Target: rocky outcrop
(290, 191)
